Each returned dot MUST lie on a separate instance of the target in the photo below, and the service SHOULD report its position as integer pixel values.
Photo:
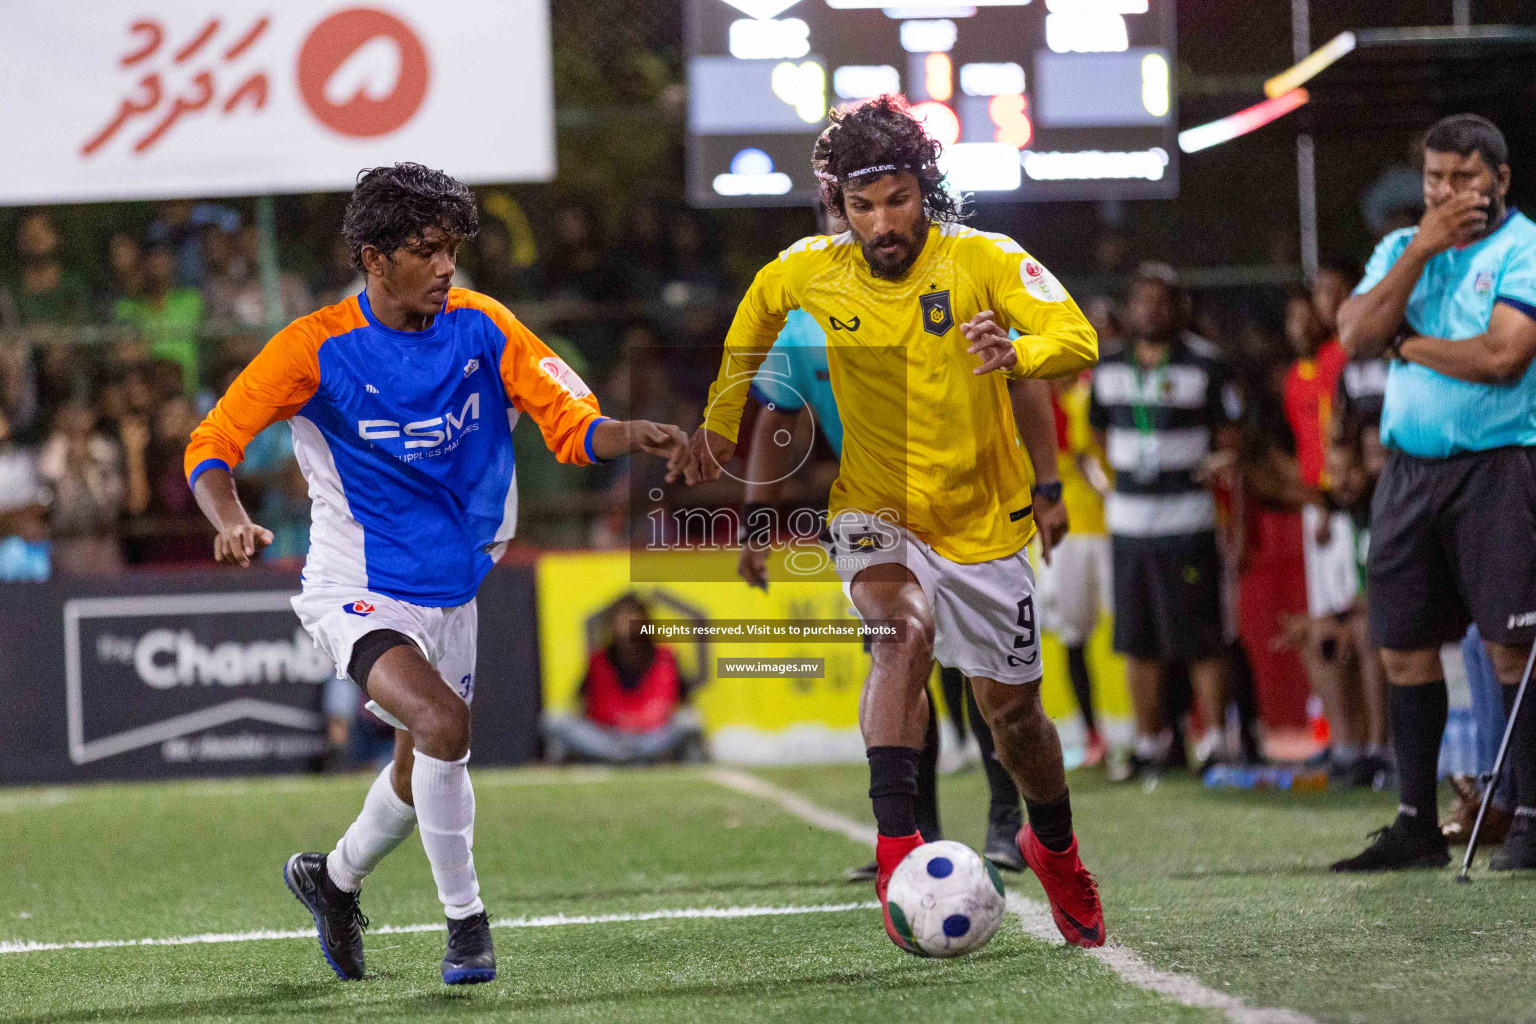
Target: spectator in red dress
(633, 697)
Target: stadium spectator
(1104, 314)
(1076, 585)
(179, 225)
(1113, 256)
(336, 278)
(643, 253)
(643, 382)
(168, 317)
(127, 423)
(633, 701)
(1453, 532)
(695, 277)
(125, 274)
(496, 273)
(271, 473)
(575, 265)
(24, 550)
(83, 470)
(1161, 411)
(1328, 545)
(234, 296)
(45, 292)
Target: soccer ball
(945, 899)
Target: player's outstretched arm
(238, 539)
(613, 438)
(703, 459)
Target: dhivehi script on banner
(169, 98)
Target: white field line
(548, 921)
(1033, 915)
(34, 799)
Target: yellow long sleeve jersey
(925, 440)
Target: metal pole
(1461, 13)
(1498, 766)
(266, 261)
(1306, 188)
(1306, 171)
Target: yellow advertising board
(751, 720)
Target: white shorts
(1333, 575)
(338, 617)
(983, 613)
(1076, 587)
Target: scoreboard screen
(1032, 99)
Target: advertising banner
(209, 673)
(189, 98)
(757, 717)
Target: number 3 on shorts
(1026, 639)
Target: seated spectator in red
(632, 697)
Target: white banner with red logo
(186, 98)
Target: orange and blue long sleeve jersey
(405, 438)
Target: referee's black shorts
(1453, 541)
(1167, 594)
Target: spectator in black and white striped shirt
(1162, 408)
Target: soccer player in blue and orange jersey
(931, 510)
(402, 400)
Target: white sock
(1212, 744)
(445, 807)
(384, 824)
(1154, 748)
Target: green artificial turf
(1234, 888)
(1230, 889)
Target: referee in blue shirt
(1453, 521)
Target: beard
(892, 265)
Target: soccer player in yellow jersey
(931, 510)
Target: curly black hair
(877, 134)
(391, 206)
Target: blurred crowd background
(120, 326)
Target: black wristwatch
(1047, 492)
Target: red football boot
(1072, 890)
(889, 852)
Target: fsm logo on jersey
(203, 678)
(438, 435)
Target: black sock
(1247, 703)
(893, 789)
(1052, 823)
(927, 811)
(1082, 687)
(1000, 785)
(1418, 716)
(1520, 759)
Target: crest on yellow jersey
(938, 318)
